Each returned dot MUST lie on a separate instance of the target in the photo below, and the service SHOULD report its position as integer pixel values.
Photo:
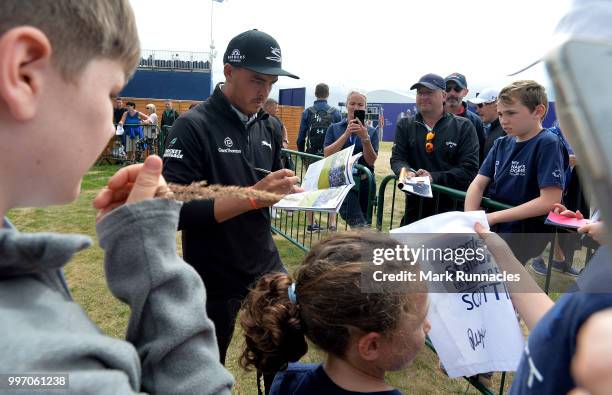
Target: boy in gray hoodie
(54, 54)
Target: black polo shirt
(211, 143)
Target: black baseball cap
(256, 51)
(458, 78)
(431, 81)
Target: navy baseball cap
(431, 81)
(256, 51)
(458, 78)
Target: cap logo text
(235, 56)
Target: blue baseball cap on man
(431, 81)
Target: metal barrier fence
(298, 226)
(388, 218)
(119, 148)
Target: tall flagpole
(212, 44)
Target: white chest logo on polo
(517, 169)
(451, 144)
(228, 142)
(265, 143)
(276, 55)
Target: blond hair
(78, 30)
(351, 93)
(151, 106)
(528, 92)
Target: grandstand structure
(185, 78)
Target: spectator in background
(486, 107)
(152, 120)
(341, 135)
(435, 144)
(456, 90)
(315, 121)
(168, 117)
(118, 110)
(132, 129)
(271, 107)
(311, 136)
(151, 128)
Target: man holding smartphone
(353, 131)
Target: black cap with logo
(256, 51)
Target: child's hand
(131, 184)
(595, 229)
(496, 245)
(560, 209)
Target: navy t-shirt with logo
(545, 364)
(518, 170)
(307, 379)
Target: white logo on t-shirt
(265, 143)
(556, 173)
(516, 169)
(533, 370)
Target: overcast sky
(366, 45)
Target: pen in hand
(264, 171)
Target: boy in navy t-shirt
(524, 169)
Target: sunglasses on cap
(455, 88)
(429, 147)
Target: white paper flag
(474, 330)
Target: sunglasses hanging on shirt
(429, 147)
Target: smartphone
(580, 72)
(360, 114)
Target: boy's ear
(25, 57)
(369, 346)
(540, 111)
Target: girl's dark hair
(131, 103)
(330, 302)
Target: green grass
(85, 277)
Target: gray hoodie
(170, 345)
